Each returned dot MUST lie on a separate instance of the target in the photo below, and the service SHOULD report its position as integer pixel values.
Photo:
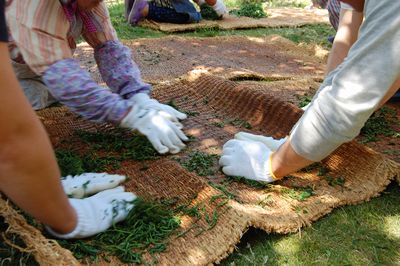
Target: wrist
(271, 170)
(71, 228)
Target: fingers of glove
(179, 133)
(228, 151)
(96, 182)
(229, 170)
(106, 193)
(231, 143)
(122, 204)
(172, 142)
(156, 142)
(271, 143)
(174, 112)
(176, 142)
(168, 116)
(225, 160)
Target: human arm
(349, 94)
(26, 171)
(30, 177)
(349, 24)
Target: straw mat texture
(214, 103)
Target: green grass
(315, 34)
(365, 234)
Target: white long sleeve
(350, 94)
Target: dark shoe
(331, 39)
(136, 12)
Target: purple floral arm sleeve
(118, 69)
(73, 87)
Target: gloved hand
(144, 101)
(89, 183)
(163, 134)
(97, 213)
(220, 8)
(271, 143)
(248, 159)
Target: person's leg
(34, 89)
(165, 14)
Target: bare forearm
(346, 36)
(286, 161)
(29, 174)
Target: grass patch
(126, 31)
(315, 34)
(250, 9)
(309, 34)
(146, 228)
(380, 123)
(288, 3)
(365, 234)
(201, 163)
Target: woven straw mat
(277, 17)
(266, 58)
(364, 172)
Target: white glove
(248, 159)
(220, 8)
(163, 134)
(271, 143)
(144, 101)
(89, 183)
(97, 213)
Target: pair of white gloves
(249, 156)
(96, 213)
(158, 122)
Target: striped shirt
(48, 32)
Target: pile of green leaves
(72, 163)
(207, 12)
(122, 144)
(252, 10)
(201, 163)
(146, 229)
(380, 124)
(127, 144)
(298, 193)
